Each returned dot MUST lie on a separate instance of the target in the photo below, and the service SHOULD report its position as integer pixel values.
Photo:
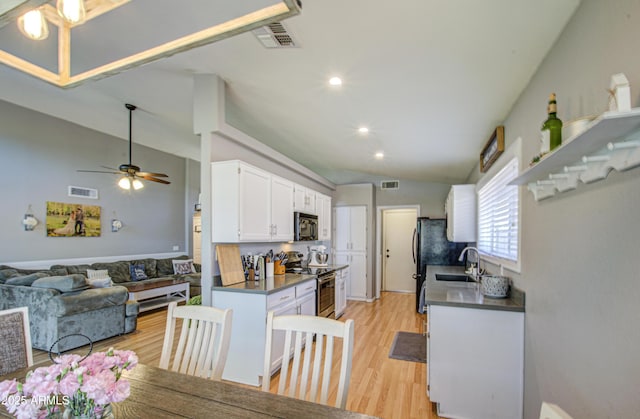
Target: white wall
(39, 156)
(580, 250)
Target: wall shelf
(589, 156)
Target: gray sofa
(99, 313)
(62, 305)
(155, 270)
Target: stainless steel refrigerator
(431, 247)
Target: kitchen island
(475, 349)
(292, 293)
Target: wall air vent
(390, 184)
(80, 192)
(274, 35)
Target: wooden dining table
(158, 393)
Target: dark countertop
(466, 294)
(272, 284)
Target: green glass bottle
(552, 127)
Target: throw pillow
(67, 283)
(97, 273)
(137, 272)
(181, 267)
(99, 282)
(26, 280)
(8, 273)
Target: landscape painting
(72, 220)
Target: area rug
(409, 346)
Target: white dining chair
(204, 340)
(552, 411)
(297, 328)
(15, 335)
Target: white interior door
(397, 259)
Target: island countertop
(263, 286)
(276, 282)
(466, 294)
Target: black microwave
(305, 227)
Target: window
(498, 216)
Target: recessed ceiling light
(335, 81)
(363, 130)
(379, 155)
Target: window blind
(498, 214)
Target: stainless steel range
(326, 304)
(326, 293)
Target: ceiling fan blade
(152, 179)
(151, 174)
(110, 168)
(98, 171)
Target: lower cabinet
(356, 283)
(248, 336)
(475, 362)
(342, 278)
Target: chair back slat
(203, 343)
(311, 363)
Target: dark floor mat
(409, 346)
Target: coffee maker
(317, 256)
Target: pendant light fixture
(33, 25)
(73, 11)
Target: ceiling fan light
(72, 11)
(33, 25)
(124, 183)
(137, 184)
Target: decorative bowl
(494, 286)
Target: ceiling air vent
(80, 192)
(390, 184)
(274, 35)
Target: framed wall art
(492, 149)
(72, 220)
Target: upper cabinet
(250, 204)
(351, 229)
(304, 200)
(460, 208)
(281, 209)
(323, 209)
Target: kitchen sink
(454, 277)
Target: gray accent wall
(39, 156)
(580, 250)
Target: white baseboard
(45, 264)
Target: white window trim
(513, 151)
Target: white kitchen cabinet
(350, 229)
(460, 208)
(250, 204)
(304, 200)
(298, 300)
(350, 247)
(281, 209)
(342, 278)
(475, 361)
(323, 209)
(246, 351)
(356, 282)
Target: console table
(157, 294)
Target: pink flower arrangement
(81, 386)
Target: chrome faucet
(474, 249)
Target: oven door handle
(322, 281)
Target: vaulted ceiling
(430, 79)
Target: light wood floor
(380, 386)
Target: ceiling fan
(132, 173)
